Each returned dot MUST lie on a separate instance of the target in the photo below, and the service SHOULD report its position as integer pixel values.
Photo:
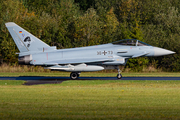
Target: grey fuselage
(118, 53)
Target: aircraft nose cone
(161, 51)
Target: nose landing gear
(119, 76)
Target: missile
(76, 68)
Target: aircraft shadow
(35, 80)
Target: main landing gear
(74, 75)
(119, 76)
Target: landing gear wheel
(74, 75)
(119, 76)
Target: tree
(87, 29)
(10, 11)
(110, 28)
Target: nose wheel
(119, 76)
(74, 75)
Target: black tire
(74, 75)
(119, 76)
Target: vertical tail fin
(25, 41)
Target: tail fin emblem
(27, 41)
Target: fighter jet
(33, 51)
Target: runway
(26, 78)
(32, 80)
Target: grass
(93, 74)
(91, 100)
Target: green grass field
(116, 99)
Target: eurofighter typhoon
(33, 51)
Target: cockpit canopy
(130, 42)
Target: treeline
(76, 23)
